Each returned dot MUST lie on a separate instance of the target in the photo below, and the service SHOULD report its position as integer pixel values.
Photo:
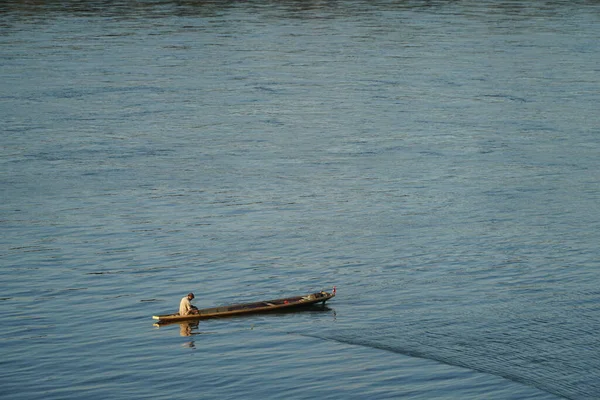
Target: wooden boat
(287, 303)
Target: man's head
(190, 296)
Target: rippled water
(437, 161)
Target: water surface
(437, 161)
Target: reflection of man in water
(185, 328)
(186, 307)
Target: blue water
(436, 161)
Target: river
(437, 161)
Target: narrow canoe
(249, 308)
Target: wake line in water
(446, 361)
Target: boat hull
(288, 303)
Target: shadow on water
(190, 326)
(190, 329)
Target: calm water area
(437, 161)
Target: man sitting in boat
(186, 307)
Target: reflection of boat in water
(280, 305)
(190, 325)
